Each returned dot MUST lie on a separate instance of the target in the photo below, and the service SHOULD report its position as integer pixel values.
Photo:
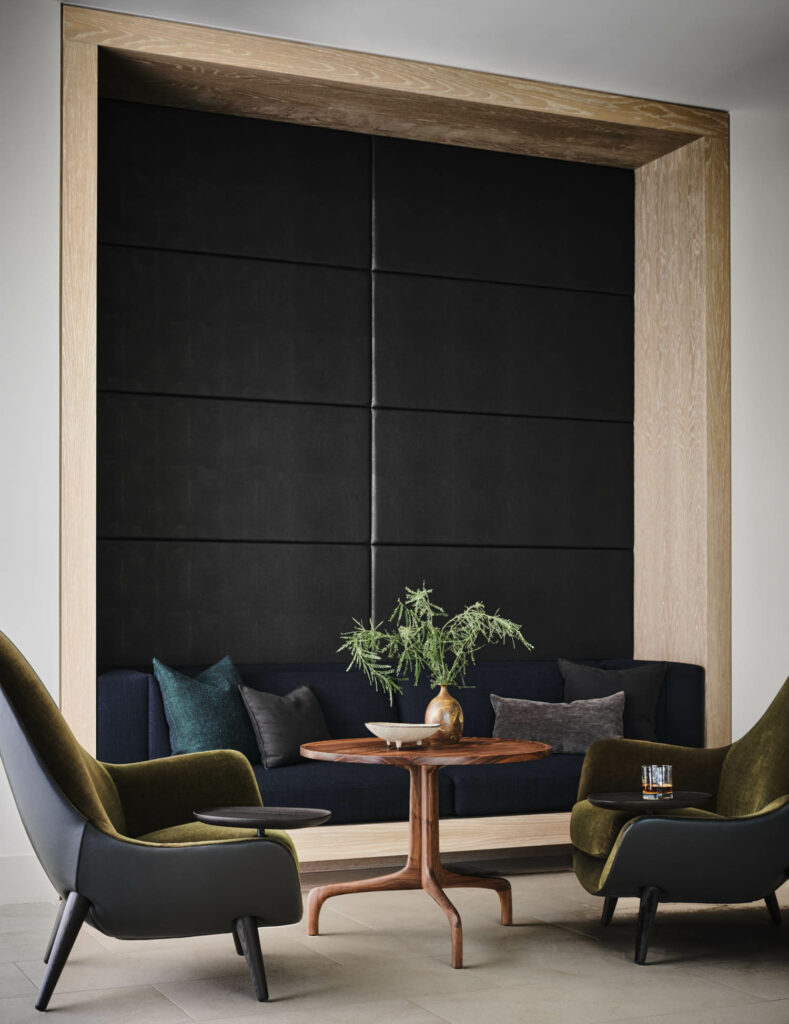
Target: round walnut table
(423, 869)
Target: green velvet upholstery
(182, 784)
(107, 793)
(594, 830)
(130, 801)
(83, 784)
(747, 778)
(199, 832)
(612, 765)
(756, 769)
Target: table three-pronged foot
(423, 869)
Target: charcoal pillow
(569, 728)
(205, 712)
(641, 686)
(282, 724)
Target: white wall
(706, 53)
(760, 406)
(29, 319)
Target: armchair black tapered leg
(55, 928)
(771, 902)
(75, 910)
(608, 909)
(237, 941)
(646, 915)
(247, 932)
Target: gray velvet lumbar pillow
(282, 724)
(569, 728)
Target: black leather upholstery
(736, 860)
(126, 887)
(292, 319)
(53, 825)
(143, 892)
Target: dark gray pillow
(569, 728)
(641, 686)
(282, 724)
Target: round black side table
(262, 818)
(635, 803)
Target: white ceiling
(732, 54)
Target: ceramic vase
(444, 711)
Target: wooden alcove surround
(682, 509)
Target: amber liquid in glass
(656, 791)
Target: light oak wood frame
(682, 511)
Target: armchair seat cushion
(594, 830)
(200, 832)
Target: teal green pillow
(206, 712)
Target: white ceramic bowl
(402, 733)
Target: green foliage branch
(417, 642)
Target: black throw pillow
(282, 724)
(641, 686)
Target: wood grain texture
(682, 513)
(470, 750)
(358, 845)
(228, 72)
(236, 50)
(78, 393)
(423, 868)
(371, 109)
(718, 350)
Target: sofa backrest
(680, 710)
(132, 726)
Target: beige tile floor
(383, 959)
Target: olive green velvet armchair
(119, 842)
(736, 852)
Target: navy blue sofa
(132, 727)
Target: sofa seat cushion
(200, 832)
(594, 830)
(549, 784)
(352, 792)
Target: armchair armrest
(164, 792)
(612, 765)
(702, 860)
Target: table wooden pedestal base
(423, 869)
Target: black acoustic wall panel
(470, 213)
(193, 324)
(212, 469)
(332, 365)
(503, 304)
(183, 179)
(450, 478)
(473, 346)
(570, 603)
(234, 387)
(191, 603)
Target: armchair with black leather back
(736, 853)
(119, 842)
